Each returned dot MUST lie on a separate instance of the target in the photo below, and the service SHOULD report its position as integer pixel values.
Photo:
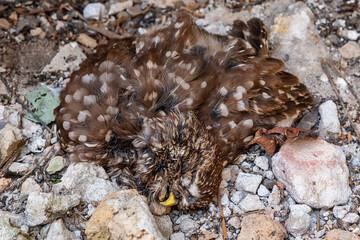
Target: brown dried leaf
(4, 183)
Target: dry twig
(223, 225)
(325, 63)
(192, 12)
(41, 162)
(107, 33)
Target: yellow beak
(170, 201)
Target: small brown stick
(192, 12)
(20, 180)
(107, 33)
(324, 64)
(24, 105)
(223, 226)
(317, 221)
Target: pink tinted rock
(313, 171)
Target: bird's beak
(171, 201)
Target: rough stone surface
(351, 218)
(55, 164)
(341, 211)
(294, 36)
(177, 236)
(313, 171)
(338, 234)
(251, 203)
(299, 220)
(10, 138)
(7, 230)
(42, 208)
(262, 162)
(28, 187)
(188, 225)
(123, 215)
(165, 225)
(119, 6)
(263, 191)
(275, 196)
(248, 182)
(94, 11)
(261, 227)
(88, 179)
(350, 50)
(58, 231)
(68, 58)
(329, 124)
(20, 168)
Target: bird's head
(178, 161)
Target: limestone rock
(299, 220)
(58, 231)
(42, 208)
(88, 179)
(10, 138)
(338, 234)
(330, 124)
(123, 215)
(350, 50)
(313, 171)
(261, 227)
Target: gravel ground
(32, 33)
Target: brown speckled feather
(128, 107)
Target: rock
(293, 36)
(4, 24)
(20, 168)
(330, 124)
(226, 174)
(38, 32)
(158, 209)
(165, 225)
(56, 164)
(16, 220)
(341, 211)
(117, 7)
(4, 183)
(10, 139)
(338, 234)
(88, 179)
(262, 162)
(11, 114)
(350, 34)
(168, 3)
(299, 220)
(28, 187)
(350, 50)
(251, 203)
(188, 225)
(262, 227)
(42, 208)
(237, 197)
(68, 58)
(248, 182)
(275, 196)
(235, 222)
(351, 218)
(123, 215)
(7, 230)
(36, 145)
(58, 231)
(31, 129)
(225, 200)
(263, 191)
(87, 41)
(94, 11)
(134, 10)
(313, 171)
(177, 236)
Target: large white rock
(42, 208)
(313, 171)
(68, 58)
(294, 36)
(123, 215)
(329, 124)
(88, 179)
